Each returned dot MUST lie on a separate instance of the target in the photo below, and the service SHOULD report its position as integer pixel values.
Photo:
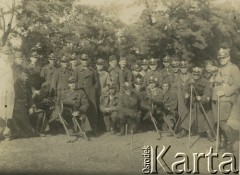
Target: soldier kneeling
(128, 109)
(75, 103)
(108, 107)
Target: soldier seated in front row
(128, 108)
(75, 103)
(150, 101)
(169, 104)
(108, 107)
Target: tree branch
(149, 15)
(9, 26)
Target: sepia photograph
(125, 87)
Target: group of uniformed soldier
(120, 96)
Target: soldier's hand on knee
(83, 117)
(198, 98)
(75, 113)
(31, 111)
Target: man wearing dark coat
(128, 109)
(167, 71)
(48, 70)
(108, 106)
(125, 75)
(182, 89)
(60, 77)
(17, 66)
(113, 71)
(150, 100)
(75, 103)
(174, 77)
(200, 96)
(34, 71)
(23, 106)
(87, 80)
(153, 71)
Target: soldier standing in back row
(87, 80)
(136, 69)
(34, 71)
(144, 66)
(113, 71)
(182, 89)
(103, 76)
(125, 75)
(73, 63)
(153, 71)
(226, 86)
(174, 77)
(166, 72)
(48, 70)
(60, 77)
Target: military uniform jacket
(166, 74)
(86, 78)
(228, 81)
(174, 82)
(104, 79)
(150, 73)
(23, 94)
(107, 102)
(125, 75)
(34, 76)
(47, 73)
(114, 75)
(76, 99)
(149, 97)
(202, 88)
(183, 88)
(72, 69)
(169, 99)
(183, 83)
(60, 79)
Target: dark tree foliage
(189, 29)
